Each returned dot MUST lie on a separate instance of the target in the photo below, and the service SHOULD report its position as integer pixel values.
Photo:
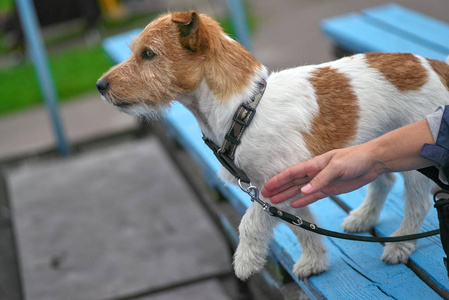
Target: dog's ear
(190, 32)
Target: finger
(309, 199)
(297, 174)
(286, 194)
(280, 189)
(303, 171)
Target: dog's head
(169, 59)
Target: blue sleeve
(439, 152)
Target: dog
(304, 112)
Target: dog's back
(349, 101)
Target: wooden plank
(416, 26)
(356, 34)
(356, 270)
(429, 253)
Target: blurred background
(116, 219)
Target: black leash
(253, 192)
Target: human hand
(333, 173)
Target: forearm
(399, 150)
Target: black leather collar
(242, 118)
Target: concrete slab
(110, 222)
(208, 290)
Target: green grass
(6, 5)
(74, 72)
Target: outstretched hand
(332, 173)
(344, 170)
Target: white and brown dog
(304, 112)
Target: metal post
(38, 55)
(240, 23)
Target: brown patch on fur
(404, 70)
(336, 123)
(442, 69)
(228, 66)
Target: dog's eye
(148, 54)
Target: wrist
(378, 154)
(399, 150)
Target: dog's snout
(102, 85)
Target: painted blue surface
(36, 50)
(429, 252)
(389, 28)
(432, 32)
(356, 270)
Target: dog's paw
(359, 221)
(246, 263)
(307, 266)
(395, 253)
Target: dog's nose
(102, 85)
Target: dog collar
(242, 118)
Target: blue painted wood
(419, 27)
(364, 258)
(378, 30)
(356, 270)
(429, 253)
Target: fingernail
(305, 189)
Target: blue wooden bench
(389, 28)
(356, 271)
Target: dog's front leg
(313, 260)
(255, 231)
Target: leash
(226, 153)
(253, 192)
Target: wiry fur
(304, 112)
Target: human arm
(343, 170)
